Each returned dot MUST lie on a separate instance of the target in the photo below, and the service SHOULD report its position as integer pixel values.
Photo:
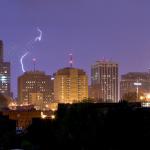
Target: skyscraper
(104, 81)
(1, 51)
(4, 74)
(35, 87)
(70, 85)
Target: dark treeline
(88, 126)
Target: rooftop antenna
(34, 62)
(70, 60)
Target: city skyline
(74, 74)
(116, 30)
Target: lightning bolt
(38, 38)
(21, 60)
(30, 45)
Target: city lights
(145, 97)
(12, 105)
(142, 98)
(145, 104)
(148, 96)
(53, 116)
(3, 78)
(74, 74)
(43, 116)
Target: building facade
(70, 85)
(35, 87)
(133, 81)
(104, 81)
(4, 74)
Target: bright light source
(148, 96)
(145, 104)
(52, 78)
(53, 109)
(3, 78)
(137, 83)
(142, 97)
(53, 116)
(43, 116)
(12, 105)
(46, 105)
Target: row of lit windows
(41, 82)
(2, 72)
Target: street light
(137, 84)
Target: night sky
(118, 30)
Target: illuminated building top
(70, 85)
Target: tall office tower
(35, 87)
(104, 81)
(1, 51)
(133, 81)
(4, 74)
(70, 85)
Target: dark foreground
(84, 127)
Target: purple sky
(115, 29)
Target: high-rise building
(35, 87)
(70, 85)
(104, 81)
(133, 81)
(1, 51)
(4, 74)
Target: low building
(135, 84)
(35, 87)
